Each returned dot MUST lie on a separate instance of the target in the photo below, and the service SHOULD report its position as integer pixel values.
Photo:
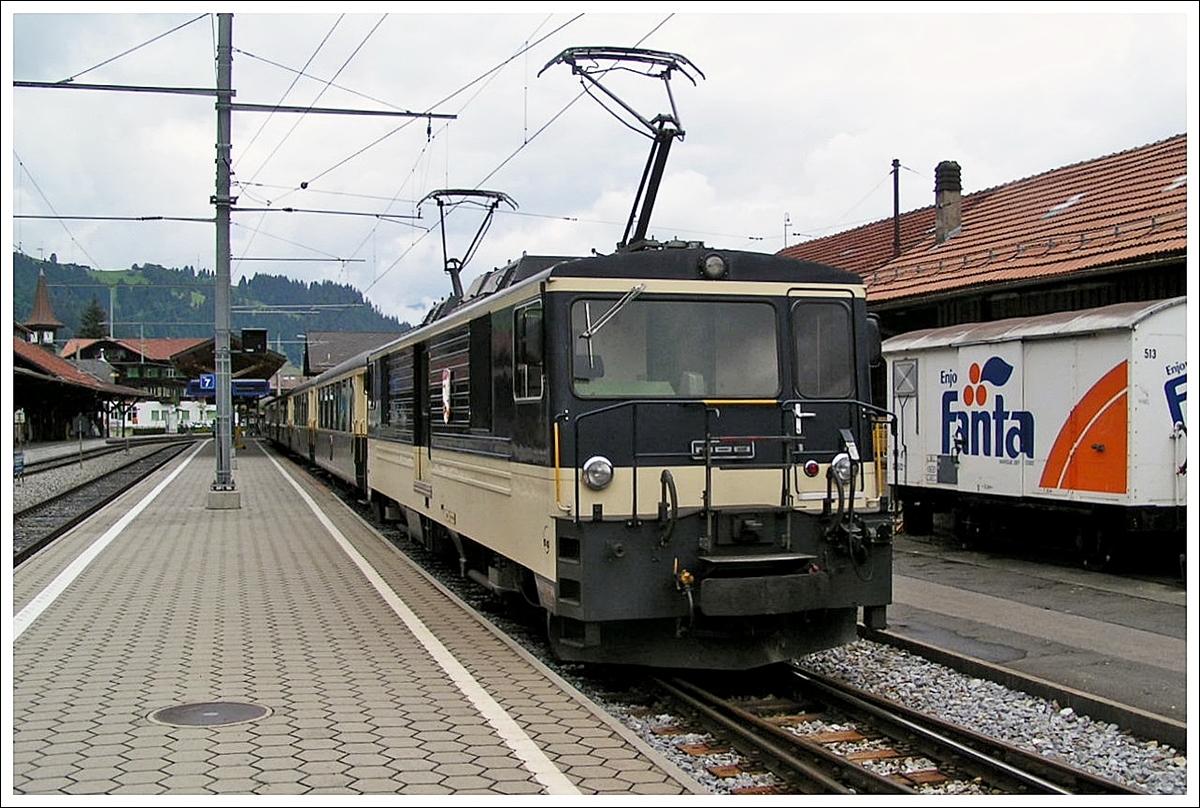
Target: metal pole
(895, 207)
(222, 201)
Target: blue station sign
(206, 388)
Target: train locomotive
(671, 450)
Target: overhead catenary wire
(112, 59)
(49, 204)
(325, 87)
(528, 139)
(295, 80)
(475, 82)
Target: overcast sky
(791, 126)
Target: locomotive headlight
(841, 468)
(597, 472)
(713, 267)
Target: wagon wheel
(970, 528)
(1096, 548)
(918, 518)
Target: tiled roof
(158, 350)
(60, 369)
(1115, 210)
(327, 349)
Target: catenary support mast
(224, 492)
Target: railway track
(39, 525)
(824, 737)
(33, 467)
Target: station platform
(165, 647)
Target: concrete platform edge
(683, 777)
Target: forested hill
(153, 301)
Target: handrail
(711, 407)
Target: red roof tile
(1113, 210)
(58, 368)
(158, 350)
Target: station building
(111, 387)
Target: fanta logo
(994, 371)
(1176, 391)
(980, 430)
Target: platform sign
(208, 381)
(239, 389)
(18, 464)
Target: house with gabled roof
(162, 367)
(1108, 230)
(145, 364)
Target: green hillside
(152, 301)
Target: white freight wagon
(1067, 428)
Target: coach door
(825, 379)
(425, 402)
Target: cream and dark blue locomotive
(671, 451)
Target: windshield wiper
(594, 328)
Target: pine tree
(91, 322)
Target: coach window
(379, 386)
(824, 349)
(343, 406)
(528, 351)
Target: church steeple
(42, 323)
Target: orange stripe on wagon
(1091, 450)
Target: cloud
(791, 131)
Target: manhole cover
(208, 714)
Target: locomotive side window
(450, 380)
(658, 348)
(481, 374)
(528, 378)
(400, 393)
(824, 349)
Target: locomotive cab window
(528, 375)
(646, 347)
(823, 346)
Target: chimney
(947, 194)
